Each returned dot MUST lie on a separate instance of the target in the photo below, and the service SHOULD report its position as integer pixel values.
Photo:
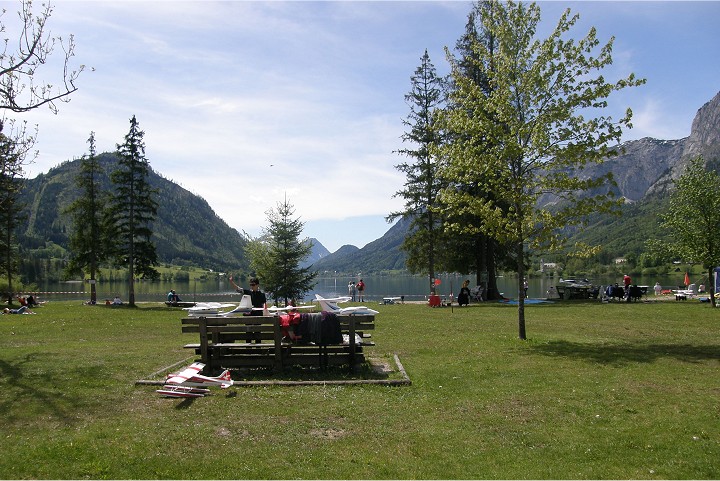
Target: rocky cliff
(640, 165)
(704, 140)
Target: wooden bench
(257, 341)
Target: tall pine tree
(86, 240)
(277, 254)
(132, 210)
(467, 247)
(15, 146)
(422, 184)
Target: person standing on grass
(464, 295)
(361, 291)
(257, 297)
(351, 290)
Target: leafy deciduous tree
(537, 121)
(85, 242)
(21, 91)
(693, 219)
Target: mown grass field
(597, 391)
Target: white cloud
(244, 102)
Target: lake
(414, 288)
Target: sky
(248, 104)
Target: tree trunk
(521, 293)
(93, 290)
(711, 290)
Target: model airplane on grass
(189, 383)
(330, 305)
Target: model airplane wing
(185, 374)
(245, 307)
(289, 308)
(209, 305)
(182, 391)
(335, 300)
(191, 376)
(330, 305)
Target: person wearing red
(361, 291)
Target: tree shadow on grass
(621, 354)
(21, 389)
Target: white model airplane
(330, 305)
(206, 308)
(190, 383)
(245, 307)
(288, 308)
(213, 308)
(391, 300)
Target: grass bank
(598, 391)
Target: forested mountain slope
(186, 230)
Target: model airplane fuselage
(190, 383)
(206, 309)
(330, 305)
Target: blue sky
(244, 103)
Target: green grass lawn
(597, 391)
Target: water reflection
(413, 288)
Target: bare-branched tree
(23, 56)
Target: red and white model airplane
(190, 383)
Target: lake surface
(414, 288)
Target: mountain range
(643, 171)
(187, 230)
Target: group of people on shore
(358, 289)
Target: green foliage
(132, 209)
(15, 146)
(276, 256)
(86, 241)
(537, 115)
(693, 218)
